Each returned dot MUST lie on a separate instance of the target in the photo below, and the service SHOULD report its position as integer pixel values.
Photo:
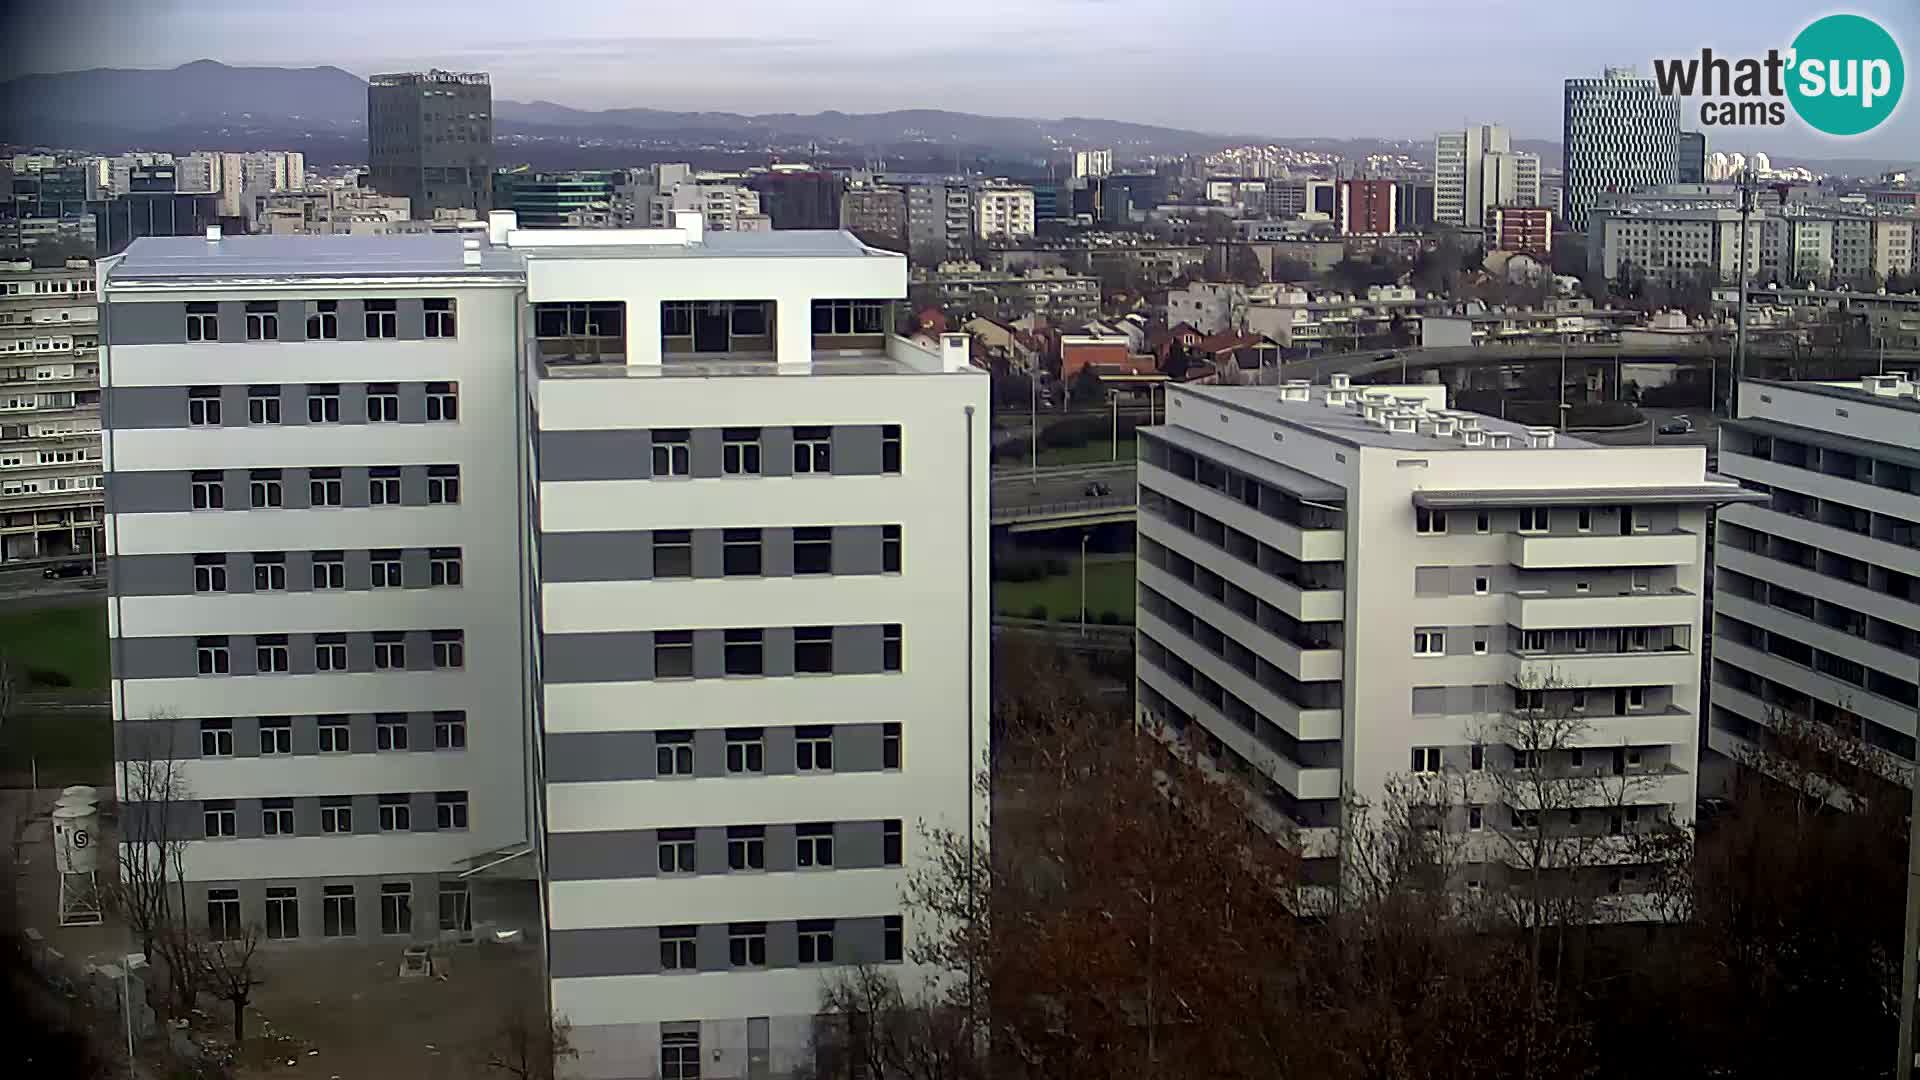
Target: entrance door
(711, 332)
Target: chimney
(1295, 390)
(693, 223)
(499, 224)
(213, 234)
(1443, 427)
(1340, 380)
(1499, 440)
(1473, 437)
(1540, 438)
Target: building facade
(1525, 229)
(1340, 591)
(430, 138)
(1003, 212)
(1817, 587)
(50, 480)
(799, 198)
(1692, 165)
(1477, 169)
(687, 741)
(1368, 208)
(552, 200)
(876, 214)
(1620, 134)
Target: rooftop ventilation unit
(1413, 403)
(1499, 440)
(1540, 438)
(1339, 380)
(1882, 385)
(1472, 437)
(1443, 426)
(1296, 390)
(1403, 423)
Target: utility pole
(1114, 397)
(1033, 421)
(1563, 382)
(1084, 537)
(1740, 331)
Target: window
(203, 406)
(209, 573)
(390, 731)
(396, 813)
(813, 550)
(812, 450)
(439, 320)
(1637, 522)
(263, 404)
(443, 566)
(209, 492)
(1533, 641)
(740, 451)
(335, 734)
(849, 317)
(450, 810)
(1429, 522)
(747, 319)
(740, 553)
(744, 653)
(323, 488)
(816, 941)
(673, 753)
(1637, 639)
(383, 566)
(1526, 819)
(1482, 585)
(449, 649)
(223, 913)
(443, 484)
(276, 735)
(892, 841)
(813, 846)
(389, 651)
(218, 818)
(746, 751)
(323, 322)
(1477, 757)
(1426, 759)
(1429, 642)
(813, 749)
(1534, 519)
(330, 652)
(1529, 700)
(210, 656)
(1476, 818)
(276, 817)
(269, 571)
(675, 851)
(456, 907)
(396, 907)
(1636, 697)
(337, 911)
(1582, 639)
(672, 553)
(216, 738)
(383, 403)
(383, 319)
(677, 952)
(893, 939)
(813, 649)
(890, 746)
(203, 322)
(1480, 646)
(443, 401)
(889, 549)
(1584, 521)
(890, 448)
(1642, 581)
(323, 403)
(263, 489)
(383, 485)
(747, 944)
(680, 1053)
(746, 847)
(1482, 521)
(673, 654)
(672, 452)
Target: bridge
(1055, 497)
(1093, 638)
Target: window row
(333, 733)
(1433, 642)
(386, 569)
(686, 553)
(441, 811)
(434, 402)
(1574, 762)
(813, 944)
(814, 650)
(742, 451)
(274, 489)
(676, 851)
(339, 910)
(378, 319)
(746, 751)
(380, 650)
(1538, 520)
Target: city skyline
(1072, 57)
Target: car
(66, 570)
(1096, 489)
(1679, 425)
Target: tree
(527, 1043)
(871, 1029)
(228, 963)
(155, 800)
(1243, 266)
(8, 689)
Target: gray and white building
(1817, 589)
(49, 411)
(1620, 135)
(633, 591)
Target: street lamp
(1084, 537)
(1113, 396)
(1033, 422)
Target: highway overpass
(1055, 497)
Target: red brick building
(1525, 229)
(1367, 208)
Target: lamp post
(1033, 423)
(1084, 537)
(1113, 397)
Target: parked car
(1679, 425)
(1096, 490)
(65, 570)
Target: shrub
(48, 677)
(1025, 567)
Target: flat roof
(1903, 402)
(185, 260)
(785, 244)
(1350, 427)
(672, 366)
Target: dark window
(324, 488)
(396, 813)
(263, 320)
(813, 550)
(812, 450)
(674, 851)
(216, 738)
(335, 735)
(813, 749)
(449, 649)
(746, 750)
(209, 491)
(323, 403)
(211, 656)
(385, 569)
(203, 406)
(209, 573)
(672, 452)
(270, 658)
(813, 649)
(443, 401)
(449, 731)
(383, 485)
(741, 552)
(890, 448)
(389, 651)
(893, 939)
(450, 809)
(677, 951)
(673, 753)
(337, 915)
(203, 322)
(263, 404)
(390, 731)
(323, 322)
(443, 484)
(673, 654)
(744, 653)
(672, 553)
(443, 567)
(748, 319)
(329, 569)
(383, 319)
(890, 647)
(890, 746)
(223, 914)
(746, 847)
(892, 842)
(330, 652)
(816, 941)
(740, 451)
(440, 319)
(276, 817)
(263, 490)
(283, 911)
(383, 403)
(890, 549)
(747, 944)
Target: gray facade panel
(780, 853)
(586, 658)
(857, 650)
(306, 729)
(154, 575)
(707, 553)
(601, 856)
(710, 950)
(136, 407)
(776, 451)
(776, 650)
(856, 748)
(704, 453)
(233, 321)
(856, 549)
(156, 739)
(776, 552)
(779, 751)
(595, 455)
(233, 406)
(353, 320)
(590, 756)
(416, 569)
(596, 556)
(246, 736)
(413, 485)
(858, 845)
(424, 819)
(413, 402)
(588, 953)
(856, 450)
(859, 941)
(162, 657)
(152, 492)
(709, 753)
(413, 327)
(709, 654)
(419, 650)
(783, 945)
(163, 323)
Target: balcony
(1665, 667)
(1308, 663)
(1303, 544)
(1539, 611)
(1299, 781)
(1543, 552)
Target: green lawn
(68, 640)
(1109, 588)
(70, 746)
(1100, 450)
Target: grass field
(69, 746)
(69, 640)
(1109, 588)
(1100, 450)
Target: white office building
(1816, 598)
(1620, 135)
(660, 636)
(1092, 163)
(1003, 212)
(49, 412)
(1340, 586)
(1477, 169)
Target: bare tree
(528, 1043)
(869, 1028)
(148, 890)
(230, 976)
(9, 690)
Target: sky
(1299, 68)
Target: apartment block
(1367, 208)
(1620, 134)
(660, 636)
(1476, 170)
(1344, 587)
(1003, 211)
(50, 481)
(1817, 586)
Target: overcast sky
(1385, 68)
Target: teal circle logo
(1847, 75)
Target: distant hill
(111, 104)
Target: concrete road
(1703, 433)
(1016, 488)
(23, 587)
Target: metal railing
(1067, 508)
